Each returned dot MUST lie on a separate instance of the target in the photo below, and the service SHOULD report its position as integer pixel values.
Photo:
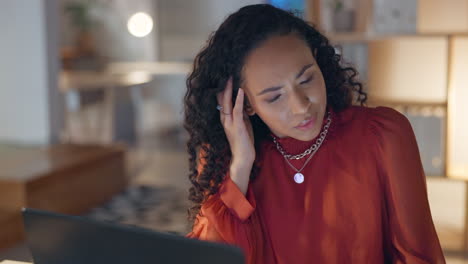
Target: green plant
(79, 12)
(337, 5)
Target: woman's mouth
(307, 123)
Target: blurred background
(91, 102)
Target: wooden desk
(152, 68)
(90, 80)
(82, 127)
(14, 262)
(79, 125)
(64, 178)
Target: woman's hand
(239, 133)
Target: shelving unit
(320, 14)
(430, 19)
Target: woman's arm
(410, 233)
(229, 217)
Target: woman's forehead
(277, 58)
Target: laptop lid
(63, 239)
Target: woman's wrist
(240, 174)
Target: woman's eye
(274, 98)
(306, 81)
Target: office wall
(30, 105)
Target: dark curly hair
(224, 56)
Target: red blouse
(363, 200)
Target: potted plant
(79, 13)
(343, 18)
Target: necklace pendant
(299, 178)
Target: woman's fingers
(238, 110)
(225, 100)
(227, 97)
(219, 98)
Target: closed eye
(274, 98)
(306, 81)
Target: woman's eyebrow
(275, 88)
(303, 70)
(271, 89)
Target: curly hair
(224, 56)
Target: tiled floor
(164, 163)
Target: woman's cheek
(282, 118)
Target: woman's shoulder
(372, 115)
(377, 120)
(384, 122)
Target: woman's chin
(307, 136)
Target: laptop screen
(64, 239)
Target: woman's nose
(299, 103)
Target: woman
(284, 166)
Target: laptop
(63, 239)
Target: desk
(160, 104)
(118, 74)
(152, 68)
(53, 178)
(74, 83)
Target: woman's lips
(309, 123)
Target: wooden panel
(409, 69)
(313, 12)
(11, 228)
(364, 18)
(448, 16)
(12, 195)
(457, 146)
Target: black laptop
(64, 239)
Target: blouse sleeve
(409, 230)
(229, 217)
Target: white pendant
(299, 178)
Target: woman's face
(285, 87)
